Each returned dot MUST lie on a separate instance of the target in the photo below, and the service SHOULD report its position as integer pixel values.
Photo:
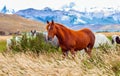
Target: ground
(105, 61)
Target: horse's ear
(34, 31)
(52, 22)
(47, 22)
(31, 31)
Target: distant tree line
(3, 33)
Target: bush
(30, 43)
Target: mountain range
(5, 10)
(107, 19)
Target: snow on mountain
(93, 18)
(5, 10)
(73, 18)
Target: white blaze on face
(49, 27)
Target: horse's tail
(92, 38)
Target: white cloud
(38, 4)
(58, 4)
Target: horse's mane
(63, 27)
(60, 25)
(63, 30)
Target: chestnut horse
(70, 40)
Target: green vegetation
(35, 44)
(2, 46)
(109, 37)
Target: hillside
(13, 23)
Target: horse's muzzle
(49, 38)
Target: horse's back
(90, 34)
(87, 31)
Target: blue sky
(59, 4)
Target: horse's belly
(78, 49)
(81, 46)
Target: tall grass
(104, 62)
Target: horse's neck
(62, 33)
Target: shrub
(31, 43)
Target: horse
(101, 39)
(71, 40)
(115, 39)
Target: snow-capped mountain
(71, 18)
(5, 10)
(93, 18)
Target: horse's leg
(65, 53)
(73, 53)
(90, 47)
(88, 50)
(85, 50)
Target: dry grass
(52, 64)
(111, 33)
(105, 62)
(3, 38)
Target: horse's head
(51, 30)
(33, 32)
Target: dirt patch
(5, 37)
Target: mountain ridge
(74, 18)
(95, 20)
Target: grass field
(105, 61)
